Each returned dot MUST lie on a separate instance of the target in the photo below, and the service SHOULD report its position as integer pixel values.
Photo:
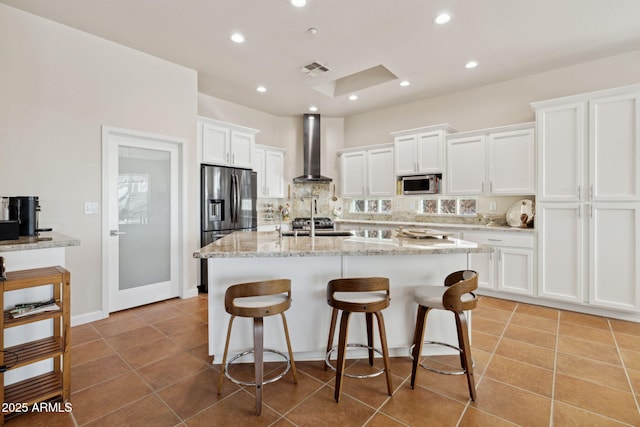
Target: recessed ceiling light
(471, 64)
(298, 3)
(442, 18)
(405, 83)
(261, 89)
(237, 38)
(313, 108)
(353, 97)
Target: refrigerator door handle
(237, 198)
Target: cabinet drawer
(519, 240)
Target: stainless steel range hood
(311, 136)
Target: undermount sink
(319, 233)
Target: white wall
(58, 86)
(493, 105)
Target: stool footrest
(346, 374)
(441, 371)
(253, 383)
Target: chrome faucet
(312, 222)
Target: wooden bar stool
(258, 300)
(457, 296)
(369, 295)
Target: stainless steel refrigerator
(228, 204)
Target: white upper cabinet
(367, 171)
(420, 150)
(268, 162)
(588, 147)
(496, 161)
(226, 144)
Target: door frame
(180, 143)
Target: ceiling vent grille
(314, 69)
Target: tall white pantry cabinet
(588, 198)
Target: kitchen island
(310, 262)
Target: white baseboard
(190, 293)
(81, 319)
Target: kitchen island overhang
(310, 262)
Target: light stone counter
(310, 263)
(44, 241)
(372, 223)
(269, 244)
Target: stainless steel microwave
(421, 184)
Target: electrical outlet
(90, 208)
(492, 206)
(412, 205)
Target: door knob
(116, 232)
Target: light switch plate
(90, 208)
(492, 206)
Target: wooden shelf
(35, 389)
(10, 322)
(54, 384)
(34, 351)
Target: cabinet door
(215, 144)
(353, 173)
(614, 148)
(274, 170)
(511, 162)
(242, 147)
(259, 168)
(515, 270)
(380, 176)
(466, 166)
(482, 263)
(405, 155)
(614, 277)
(561, 140)
(430, 151)
(560, 251)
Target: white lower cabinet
(589, 253)
(510, 267)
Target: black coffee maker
(25, 210)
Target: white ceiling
(509, 39)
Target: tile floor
(535, 366)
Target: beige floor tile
(171, 369)
(527, 353)
(535, 322)
(586, 333)
(499, 304)
(491, 314)
(178, 324)
(584, 319)
(150, 352)
(82, 334)
(90, 351)
(596, 398)
(96, 371)
(415, 406)
(631, 359)
(192, 338)
(238, 409)
(118, 323)
(149, 411)
(591, 370)
(482, 341)
(382, 420)
(629, 328)
(488, 326)
(321, 409)
(589, 349)
(512, 403)
(630, 342)
(134, 337)
(474, 417)
(567, 415)
(532, 378)
(531, 336)
(538, 311)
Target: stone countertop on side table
(43, 241)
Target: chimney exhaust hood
(311, 136)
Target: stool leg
(332, 330)
(463, 340)
(342, 349)
(258, 360)
(385, 351)
(418, 338)
(286, 335)
(224, 356)
(369, 319)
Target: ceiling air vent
(314, 69)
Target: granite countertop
(436, 225)
(43, 241)
(269, 244)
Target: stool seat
(456, 296)
(431, 296)
(368, 295)
(258, 300)
(360, 297)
